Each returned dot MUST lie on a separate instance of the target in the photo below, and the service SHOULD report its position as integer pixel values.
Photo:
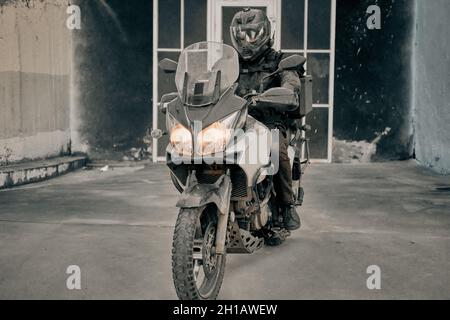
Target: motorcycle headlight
(216, 137)
(180, 137)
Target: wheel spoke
(197, 268)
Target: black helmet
(250, 33)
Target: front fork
(221, 235)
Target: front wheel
(196, 268)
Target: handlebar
(282, 99)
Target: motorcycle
(227, 203)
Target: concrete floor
(117, 226)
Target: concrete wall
(431, 61)
(35, 63)
(372, 112)
(113, 80)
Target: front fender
(199, 195)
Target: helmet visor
(250, 35)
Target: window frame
(213, 29)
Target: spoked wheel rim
(197, 270)
(206, 262)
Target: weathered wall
(372, 115)
(113, 81)
(35, 54)
(432, 84)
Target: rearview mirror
(157, 134)
(292, 62)
(168, 65)
(166, 99)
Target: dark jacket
(249, 80)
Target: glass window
(169, 24)
(318, 144)
(319, 68)
(292, 24)
(319, 24)
(194, 21)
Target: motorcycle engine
(254, 216)
(249, 217)
(260, 219)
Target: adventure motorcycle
(227, 202)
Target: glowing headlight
(180, 137)
(216, 137)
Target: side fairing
(186, 115)
(251, 149)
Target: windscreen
(205, 71)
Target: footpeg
(276, 237)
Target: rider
(251, 36)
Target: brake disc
(208, 251)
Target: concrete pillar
(431, 93)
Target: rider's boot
(291, 218)
(275, 239)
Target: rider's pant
(283, 179)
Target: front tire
(197, 270)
